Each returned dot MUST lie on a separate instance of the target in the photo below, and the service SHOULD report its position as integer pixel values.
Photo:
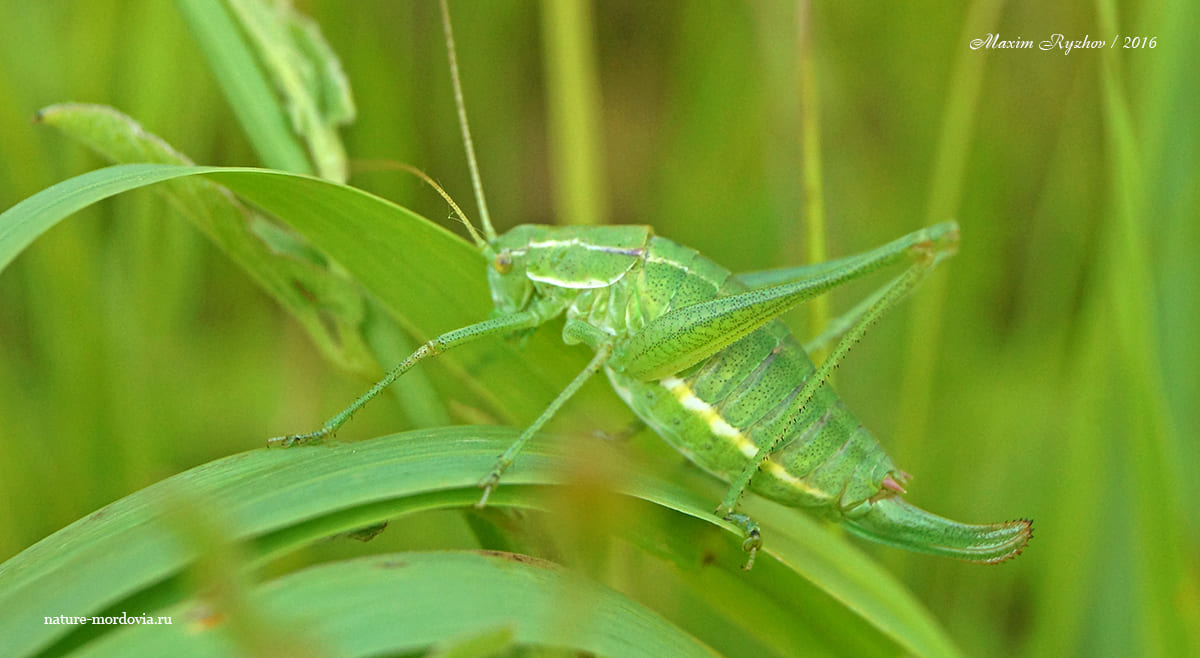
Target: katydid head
(507, 279)
(560, 261)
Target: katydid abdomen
(721, 411)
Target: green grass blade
(573, 103)
(431, 280)
(814, 188)
(434, 596)
(320, 296)
(945, 196)
(277, 500)
(245, 84)
(426, 277)
(306, 72)
(1150, 444)
(325, 301)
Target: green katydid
(700, 356)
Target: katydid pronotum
(700, 356)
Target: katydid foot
(299, 439)
(490, 481)
(752, 537)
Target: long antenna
(484, 218)
(372, 165)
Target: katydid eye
(503, 262)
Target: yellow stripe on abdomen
(719, 426)
(723, 430)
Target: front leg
(449, 340)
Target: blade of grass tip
(1152, 441)
(245, 85)
(573, 103)
(814, 193)
(925, 317)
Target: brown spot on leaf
(393, 564)
(516, 557)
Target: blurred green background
(1050, 370)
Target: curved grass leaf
(337, 609)
(430, 280)
(325, 301)
(128, 555)
(329, 305)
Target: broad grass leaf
(131, 552)
(428, 279)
